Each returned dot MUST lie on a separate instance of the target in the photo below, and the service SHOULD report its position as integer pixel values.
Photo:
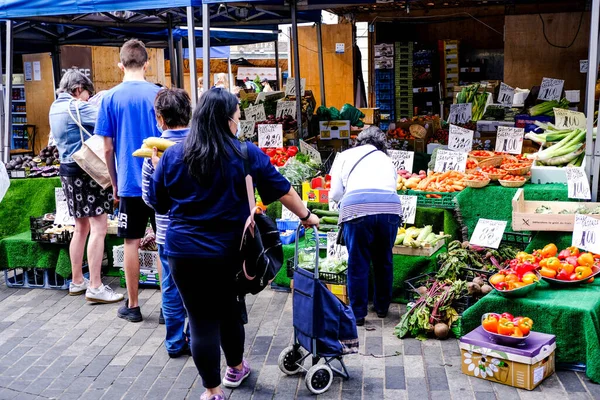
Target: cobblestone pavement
(53, 346)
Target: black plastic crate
(326, 277)
(520, 240)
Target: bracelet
(307, 217)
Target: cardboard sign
(334, 250)
(567, 119)
(290, 86)
(509, 140)
(246, 129)
(506, 95)
(334, 130)
(402, 160)
(447, 160)
(488, 233)
(551, 89)
(310, 151)
(62, 210)
(460, 139)
(270, 135)
(586, 233)
(409, 208)
(285, 108)
(578, 184)
(460, 113)
(384, 50)
(255, 113)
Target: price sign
(290, 86)
(310, 151)
(287, 215)
(334, 250)
(460, 113)
(286, 108)
(567, 119)
(246, 129)
(578, 184)
(506, 95)
(586, 233)
(450, 161)
(460, 139)
(333, 206)
(255, 113)
(551, 89)
(62, 210)
(270, 135)
(4, 181)
(509, 140)
(583, 66)
(402, 160)
(409, 208)
(488, 233)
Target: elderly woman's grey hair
(73, 80)
(373, 136)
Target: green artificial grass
(540, 239)
(20, 251)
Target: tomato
(490, 324)
(549, 250)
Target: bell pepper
(490, 324)
(522, 269)
(591, 280)
(502, 286)
(511, 278)
(566, 267)
(271, 152)
(583, 272)
(553, 263)
(292, 151)
(563, 275)
(585, 260)
(517, 332)
(573, 277)
(514, 263)
(547, 272)
(505, 327)
(564, 254)
(549, 250)
(529, 278)
(543, 262)
(525, 324)
(574, 251)
(572, 260)
(521, 255)
(507, 316)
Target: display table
(572, 314)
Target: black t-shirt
(70, 169)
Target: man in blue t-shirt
(125, 119)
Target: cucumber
(327, 228)
(326, 213)
(329, 220)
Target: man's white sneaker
(104, 294)
(76, 290)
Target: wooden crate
(422, 252)
(372, 116)
(524, 217)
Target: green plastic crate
(446, 201)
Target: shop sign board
(310, 151)
(285, 108)
(290, 86)
(460, 113)
(567, 119)
(270, 135)
(402, 160)
(506, 95)
(551, 89)
(509, 140)
(460, 139)
(255, 113)
(586, 233)
(77, 58)
(488, 233)
(409, 208)
(334, 250)
(577, 183)
(447, 160)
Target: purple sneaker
(234, 378)
(205, 396)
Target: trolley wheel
(319, 378)
(288, 360)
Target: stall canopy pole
(593, 168)
(180, 67)
(4, 152)
(8, 97)
(206, 45)
(297, 80)
(278, 78)
(230, 75)
(321, 67)
(191, 25)
(172, 58)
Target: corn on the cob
(159, 143)
(145, 153)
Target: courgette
(327, 228)
(329, 220)
(326, 213)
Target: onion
(441, 330)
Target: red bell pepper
(521, 269)
(564, 254)
(292, 151)
(507, 316)
(572, 260)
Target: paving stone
(412, 347)
(416, 388)
(261, 345)
(186, 378)
(485, 396)
(436, 377)
(135, 366)
(373, 388)
(97, 365)
(394, 377)
(570, 381)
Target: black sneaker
(382, 314)
(161, 317)
(130, 314)
(360, 322)
(185, 351)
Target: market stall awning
(215, 52)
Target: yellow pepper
(582, 272)
(585, 260)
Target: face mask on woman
(237, 132)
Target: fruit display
(46, 164)
(569, 265)
(471, 164)
(281, 155)
(289, 124)
(494, 173)
(507, 325)
(406, 180)
(418, 237)
(476, 176)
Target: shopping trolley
(324, 329)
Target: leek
(570, 143)
(577, 161)
(565, 159)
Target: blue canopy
(215, 52)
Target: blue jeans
(370, 240)
(172, 307)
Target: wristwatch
(307, 217)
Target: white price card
(285, 108)
(4, 181)
(287, 215)
(450, 161)
(488, 233)
(290, 86)
(334, 250)
(409, 208)
(586, 233)
(509, 140)
(246, 129)
(402, 160)
(578, 184)
(270, 135)
(551, 89)
(460, 113)
(460, 139)
(255, 113)
(333, 206)
(62, 210)
(506, 95)
(567, 119)
(583, 66)
(310, 151)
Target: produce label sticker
(255, 113)
(409, 208)
(567, 119)
(287, 215)
(460, 139)
(460, 113)
(450, 161)
(551, 89)
(62, 210)
(488, 233)
(578, 184)
(285, 108)
(310, 151)
(402, 160)
(290, 86)
(246, 129)
(586, 233)
(506, 95)
(270, 135)
(334, 250)
(509, 140)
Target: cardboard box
(340, 291)
(372, 116)
(310, 194)
(334, 130)
(523, 367)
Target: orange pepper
(517, 332)
(543, 263)
(490, 324)
(568, 268)
(506, 327)
(553, 263)
(547, 272)
(573, 250)
(586, 259)
(525, 325)
(549, 250)
(582, 272)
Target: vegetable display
(450, 181)
(297, 172)
(568, 265)
(406, 180)
(547, 107)
(418, 237)
(507, 325)
(281, 155)
(564, 152)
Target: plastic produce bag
(328, 114)
(352, 114)
(4, 181)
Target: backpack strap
(248, 178)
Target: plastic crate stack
(448, 50)
(403, 67)
(384, 96)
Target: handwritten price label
(255, 113)
(287, 215)
(488, 233)
(509, 140)
(62, 210)
(567, 119)
(506, 95)
(402, 160)
(290, 87)
(246, 129)
(551, 89)
(578, 184)
(450, 161)
(270, 136)
(584, 66)
(460, 139)
(460, 113)
(285, 108)
(334, 250)
(310, 151)
(409, 208)
(586, 233)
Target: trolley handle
(314, 227)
